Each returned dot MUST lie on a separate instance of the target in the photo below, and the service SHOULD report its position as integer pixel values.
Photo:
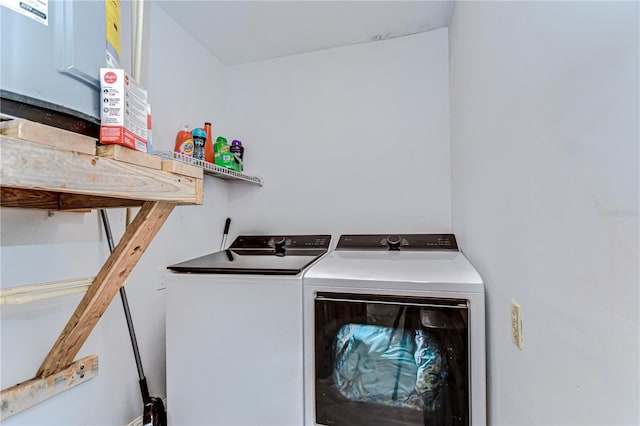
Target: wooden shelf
(63, 171)
(39, 176)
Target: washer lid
(265, 255)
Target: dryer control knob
(393, 242)
(279, 243)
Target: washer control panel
(398, 242)
(281, 242)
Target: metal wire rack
(210, 168)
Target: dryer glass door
(386, 360)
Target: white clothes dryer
(234, 333)
(394, 334)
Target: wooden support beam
(76, 201)
(49, 200)
(199, 191)
(131, 156)
(178, 168)
(114, 272)
(27, 394)
(47, 135)
(28, 198)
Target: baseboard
(138, 420)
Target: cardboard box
(123, 114)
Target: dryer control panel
(417, 242)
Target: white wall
(544, 140)
(347, 140)
(37, 248)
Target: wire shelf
(210, 168)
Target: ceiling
(247, 31)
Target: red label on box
(110, 135)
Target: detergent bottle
(238, 153)
(184, 142)
(199, 140)
(221, 151)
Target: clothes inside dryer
(384, 360)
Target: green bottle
(222, 153)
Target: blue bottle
(199, 140)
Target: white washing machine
(234, 333)
(394, 334)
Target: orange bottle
(184, 142)
(208, 145)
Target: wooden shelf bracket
(25, 395)
(113, 274)
(45, 168)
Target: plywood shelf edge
(30, 166)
